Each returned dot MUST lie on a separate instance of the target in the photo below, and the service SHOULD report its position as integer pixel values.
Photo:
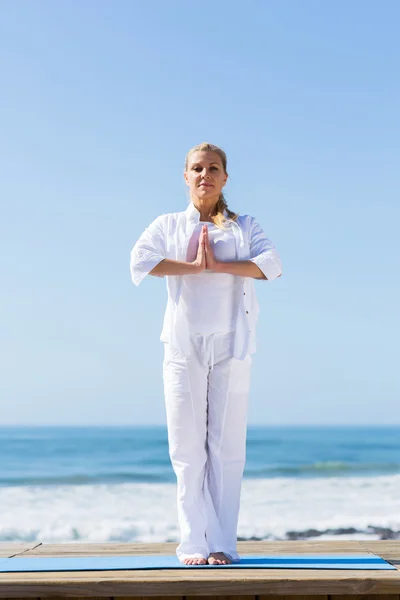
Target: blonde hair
(219, 218)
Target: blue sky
(101, 101)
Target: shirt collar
(193, 214)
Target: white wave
(133, 512)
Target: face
(205, 176)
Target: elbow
(155, 273)
(157, 269)
(269, 264)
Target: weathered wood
(286, 547)
(280, 597)
(153, 598)
(367, 597)
(220, 597)
(197, 583)
(303, 547)
(7, 550)
(96, 549)
(213, 584)
(387, 549)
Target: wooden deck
(182, 584)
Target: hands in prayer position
(205, 258)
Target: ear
(185, 175)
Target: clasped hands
(205, 258)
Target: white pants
(206, 398)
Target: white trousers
(206, 397)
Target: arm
(148, 255)
(175, 267)
(241, 268)
(264, 262)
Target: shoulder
(170, 217)
(164, 219)
(172, 221)
(245, 221)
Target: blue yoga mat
(147, 562)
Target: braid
(219, 218)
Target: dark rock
(302, 535)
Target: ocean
(116, 484)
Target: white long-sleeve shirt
(168, 237)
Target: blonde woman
(210, 257)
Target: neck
(206, 209)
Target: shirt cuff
(141, 268)
(269, 264)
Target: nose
(205, 173)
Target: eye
(199, 168)
(196, 168)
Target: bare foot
(195, 561)
(218, 558)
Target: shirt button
(247, 312)
(244, 293)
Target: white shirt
(168, 236)
(210, 300)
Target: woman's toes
(194, 561)
(218, 558)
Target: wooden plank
(79, 549)
(198, 582)
(153, 597)
(284, 547)
(387, 549)
(301, 546)
(242, 584)
(299, 597)
(219, 597)
(7, 550)
(366, 597)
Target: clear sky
(99, 103)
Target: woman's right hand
(200, 260)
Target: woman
(210, 257)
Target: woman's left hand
(211, 261)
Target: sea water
(99, 484)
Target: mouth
(205, 185)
